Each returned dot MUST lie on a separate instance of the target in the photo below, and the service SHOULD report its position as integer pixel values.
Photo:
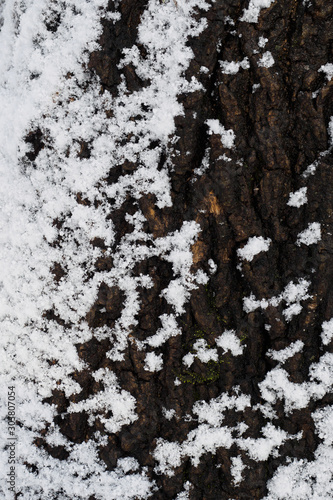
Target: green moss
(199, 334)
(213, 369)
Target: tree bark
(280, 117)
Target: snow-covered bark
(166, 249)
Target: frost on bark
(191, 268)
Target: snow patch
(168, 414)
(262, 42)
(153, 362)
(204, 164)
(227, 136)
(203, 352)
(45, 87)
(310, 170)
(328, 70)
(261, 448)
(211, 435)
(237, 468)
(169, 329)
(231, 68)
(298, 198)
(185, 495)
(212, 266)
(254, 245)
(277, 385)
(293, 294)
(283, 354)
(251, 14)
(310, 235)
(112, 399)
(266, 60)
(229, 341)
(207, 437)
(327, 332)
(304, 479)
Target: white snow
(176, 249)
(298, 198)
(293, 294)
(229, 341)
(328, 70)
(310, 235)
(277, 385)
(251, 14)
(266, 60)
(212, 266)
(227, 136)
(237, 468)
(204, 164)
(262, 42)
(169, 329)
(207, 437)
(330, 134)
(254, 245)
(44, 85)
(304, 479)
(231, 68)
(261, 448)
(168, 414)
(284, 354)
(202, 352)
(184, 495)
(310, 170)
(153, 362)
(119, 402)
(211, 434)
(250, 303)
(327, 332)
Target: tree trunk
(210, 296)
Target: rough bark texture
(280, 128)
